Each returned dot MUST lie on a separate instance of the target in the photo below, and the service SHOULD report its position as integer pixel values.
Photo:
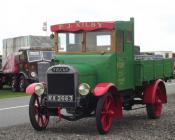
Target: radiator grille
(42, 69)
(60, 84)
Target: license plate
(60, 98)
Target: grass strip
(7, 93)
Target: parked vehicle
(95, 74)
(0, 61)
(21, 59)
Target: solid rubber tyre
(38, 120)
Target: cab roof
(82, 26)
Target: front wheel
(38, 119)
(104, 113)
(154, 110)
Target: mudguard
(31, 89)
(150, 92)
(24, 74)
(103, 88)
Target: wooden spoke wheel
(104, 113)
(38, 120)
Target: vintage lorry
(95, 73)
(21, 59)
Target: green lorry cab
(96, 73)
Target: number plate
(60, 98)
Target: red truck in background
(0, 61)
(21, 60)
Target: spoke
(38, 103)
(158, 102)
(36, 118)
(107, 122)
(36, 109)
(39, 120)
(110, 108)
(38, 112)
(103, 120)
(111, 113)
(45, 120)
(37, 100)
(103, 112)
(107, 113)
(108, 104)
(42, 120)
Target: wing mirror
(52, 36)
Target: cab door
(125, 54)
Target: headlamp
(84, 89)
(33, 74)
(39, 89)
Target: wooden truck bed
(149, 70)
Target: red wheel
(154, 110)
(104, 113)
(38, 119)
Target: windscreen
(34, 56)
(93, 41)
(69, 42)
(47, 55)
(98, 41)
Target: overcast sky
(154, 19)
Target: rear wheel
(154, 110)
(104, 113)
(38, 119)
(14, 84)
(22, 83)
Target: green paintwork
(118, 67)
(92, 68)
(149, 70)
(87, 74)
(125, 57)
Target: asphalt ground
(14, 111)
(133, 126)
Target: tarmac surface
(133, 126)
(14, 111)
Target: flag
(44, 26)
